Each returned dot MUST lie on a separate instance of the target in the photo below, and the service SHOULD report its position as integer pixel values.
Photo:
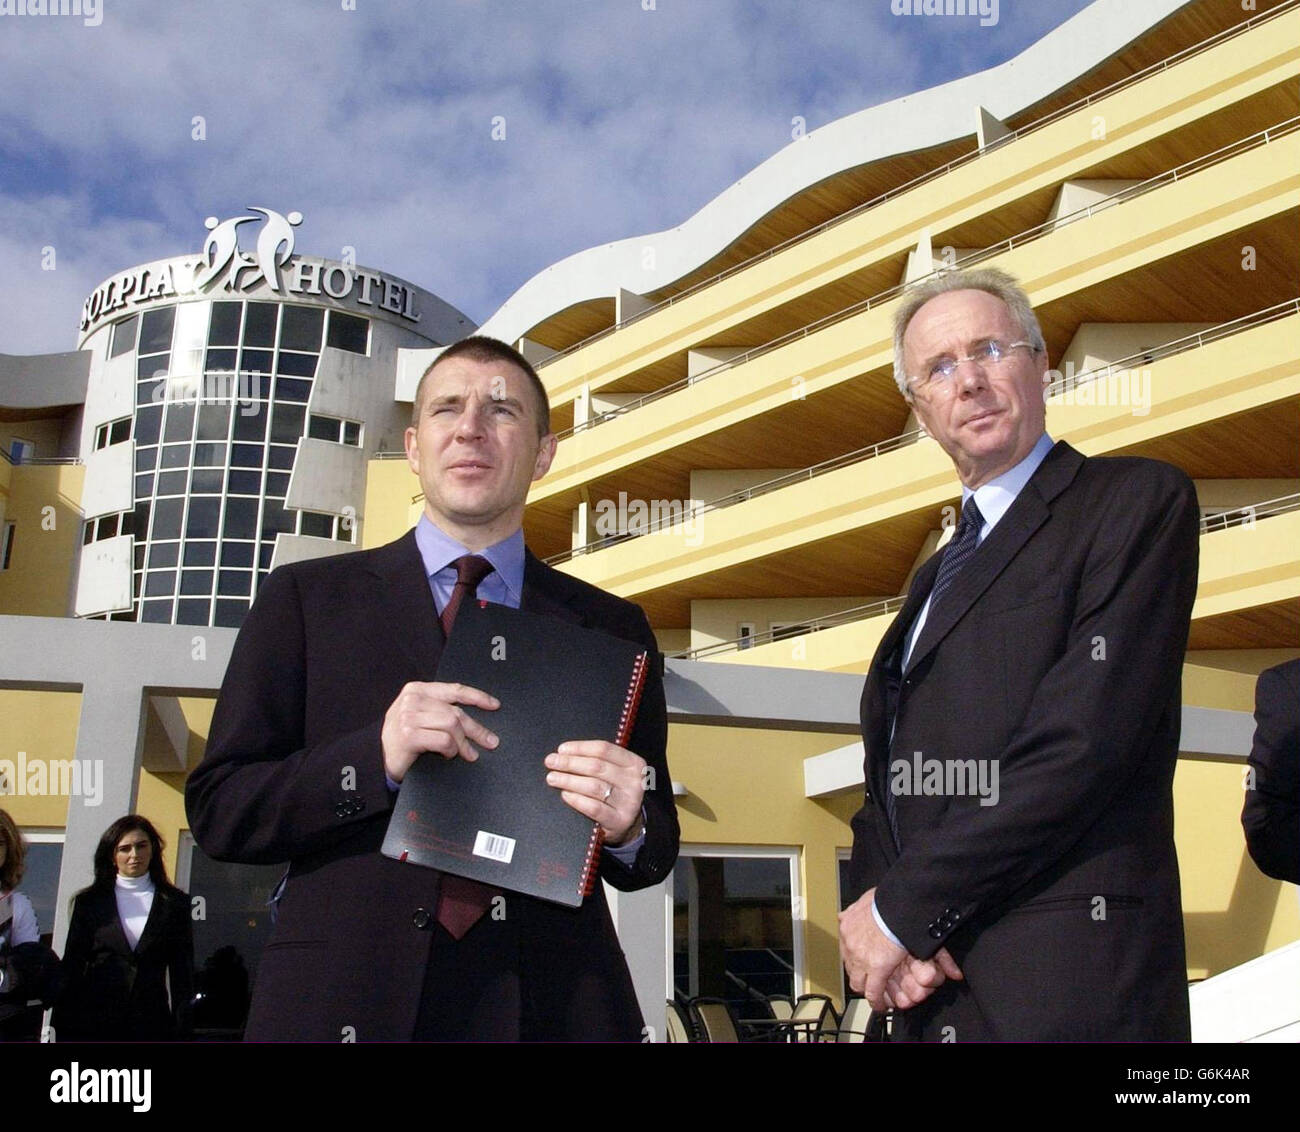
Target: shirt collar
(994, 498)
(438, 550)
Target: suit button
(421, 918)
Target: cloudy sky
(374, 118)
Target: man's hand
(424, 717)
(882, 970)
(604, 782)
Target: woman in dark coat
(129, 958)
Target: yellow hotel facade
(734, 456)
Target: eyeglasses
(987, 355)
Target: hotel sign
(223, 269)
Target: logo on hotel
(221, 250)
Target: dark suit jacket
(324, 651)
(1055, 657)
(116, 994)
(1271, 815)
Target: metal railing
(1020, 239)
(933, 174)
(1142, 357)
(39, 461)
(1234, 517)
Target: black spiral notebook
(496, 820)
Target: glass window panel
(167, 518)
(143, 486)
(259, 324)
(163, 554)
(151, 368)
(281, 458)
(241, 519)
(237, 554)
(277, 484)
(230, 615)
(206, 455)
(142, 517)
(139, 553)
(120, 431)
(323, 428)
(191, 333)
(180, 422)
(300, 328)
(255, 361)
(148, 420)
(235, 583)
(156, 330)
(175, 455)
(124, 336)
(221, 361)
(317, 525)
(101, 436)
(243, 482)
(351, 433)
(195, 582)
(247, 455)
(150, 392)
(206, 481)
(173, 483)
(347, 332)
(223, 330)
(275, 518)
(264, 558)
(204, 516)
(136, 581)
(159, 582)
(192, 611)
(343, 531)
(145, 459)
(296, 365)
(286, 423)
(88, 532)
(200, 553)
(257, 387)
(251, 426)
(292, 389)
(128, 523)
(156, 611)
(214, 422)
(108, 526)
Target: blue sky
(376, 123)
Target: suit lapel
(546, 591)
(154, 924)
(1029, 512)
(407, 617)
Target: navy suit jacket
(294, 772)
(1054, 659)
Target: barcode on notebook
(494, 847)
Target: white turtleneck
(134, 899)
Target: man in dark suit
(1271, 815)
(1021, 715)
(332, 694)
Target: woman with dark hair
(17, 918)
(129, 958)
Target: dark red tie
(463, 902)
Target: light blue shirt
(994, 500)
(504, 586)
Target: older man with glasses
(1021, 715)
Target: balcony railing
(933, 174)
(1144, 357)
(1235, 517)
(1020, 239)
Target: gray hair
(990, 279)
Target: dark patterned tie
(965, 539)
(462, 901)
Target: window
(784, 630)
(20, 450)
(335, 429)
(113, 433)
(745, 636)
(6, 545)
(123, 337)
(316, 524)
(347, 332)
(734, 928)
